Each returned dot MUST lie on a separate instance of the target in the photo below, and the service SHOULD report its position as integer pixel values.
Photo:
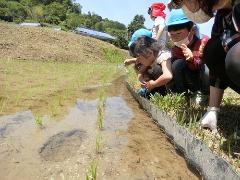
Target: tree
(55, 13)
(74, 20)
(17, 11)
(38, 13)
(137, 23)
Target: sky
(123, 11)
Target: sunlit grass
(113, 55)
(188, 116)
(47, 87)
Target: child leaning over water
(155, 71)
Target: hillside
(31, 43)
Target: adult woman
(222, 52)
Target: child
(138, 33)
(156, 65)
(189, 69)
(156, 12)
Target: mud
(133, 146)
(62, 145)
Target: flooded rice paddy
(132, 146)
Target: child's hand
(129, 61)
(187, 52)
(149, 85)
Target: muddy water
(133, 146)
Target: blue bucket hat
(138, 33)
(176, 17)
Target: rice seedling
(92, 171)
(3, 104)
(100, 110)
(59, 100)
(18, 98)
(99, 144)
(53, 110)
(38, 120)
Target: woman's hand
(187, 52)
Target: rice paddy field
(65, 113)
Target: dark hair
(150, 11)
(144, 43)
(187, 25)
(205, 5)
(131, 50)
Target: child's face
(179, 34)
(146, 59)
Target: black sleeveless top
(227, 19)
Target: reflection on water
(21, 140)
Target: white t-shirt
(163, 55)
(160, 21)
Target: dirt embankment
(35, 43)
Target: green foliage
(74, 20)
(170, 102)
(121, 38)
(17, 11)
(137, 23)
(55, 13)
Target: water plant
(92, 171)
(53, 109)
(38, 120)
(3, 104)
(100, 110)
(99, 144)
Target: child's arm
(159, 25)
(163, 79)
(142, 74)
(159, 30)
(129, 61)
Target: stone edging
(198, 155)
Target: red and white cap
(157, 9)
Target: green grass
(188, 115)
(37, 85)
(114, 55)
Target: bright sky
(123, 11)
